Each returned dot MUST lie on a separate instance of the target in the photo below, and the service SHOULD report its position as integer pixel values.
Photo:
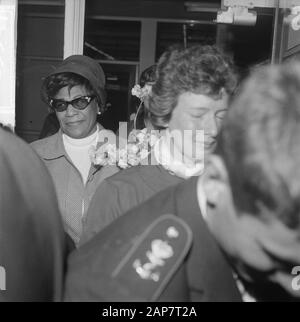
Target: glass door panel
(40, 47)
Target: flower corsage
(138, 147)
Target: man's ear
(220, 213)
(215, 180)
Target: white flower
(141, 136)
(132, 149)
(133, 160)
(122, 159)
(111, 151)
(153, 138)
(132, 136)
(141, 92)
(144, 153)
(137, 149)
(137, 91)
(97, 157)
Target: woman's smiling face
(194, 113)
(76, 123)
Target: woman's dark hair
(148, 76)
(198, 69)
(54, 83)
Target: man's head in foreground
(252, 183)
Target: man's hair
(198, 69)
(260, 144)
(54, 83)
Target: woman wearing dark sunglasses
(75, 92)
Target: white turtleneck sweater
(78, 151)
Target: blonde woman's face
(195, 112)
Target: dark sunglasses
(79, 103)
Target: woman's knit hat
(86, 67)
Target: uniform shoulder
(119, 191)
(139, 270)
(114, 196)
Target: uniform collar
(202, 202)
(216, 281)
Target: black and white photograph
(149, 154)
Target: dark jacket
(105, 268)
(32, 241)
(122, 192)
